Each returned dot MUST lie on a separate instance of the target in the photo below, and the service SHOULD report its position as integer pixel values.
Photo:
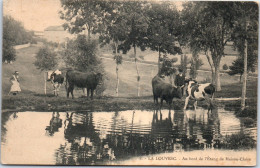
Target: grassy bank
(33, 99)
(39, 102)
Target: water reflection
(101, 137)
(55, 124)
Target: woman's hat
(16, 72)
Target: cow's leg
(87, 92)
(68, 92)
(210, 105)
(58, 91)
(170, 104)
(155, 99)
(92, 91)
(186, 102)
(161, 102)
(195, 104)
(84, 92)
(72, 92)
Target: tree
(9, 53)
(81, 15)
(136, 24)
(162, 32)
(184, 63)
(81, 54)
(113, 30)
(13, 34)
(209, 25)
(168, 68)
(118, 59)
(245, 38)
(46, 59)
(196, 63)
(237, 66)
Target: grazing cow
(57, 80)
(165, 91)
(199, 92)
(88, 80)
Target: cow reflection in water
(88, 142)
(203, 127)
(83, 145)
(55, 124)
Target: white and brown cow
(57, 80)
(199, 92)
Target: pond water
(95, 138)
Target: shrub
(239, 141)
(46, 59)
(9, 53)
(225, 67)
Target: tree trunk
(137, 71)
(117, 84)
(45, 92)
(89, 36)
(211, 67)
(117, 77)
(243, 98)
(217, 78)
(159, 63)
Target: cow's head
(52, 77)
(177, 92)
(190, 82)
(99, 78)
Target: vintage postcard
(144, 83)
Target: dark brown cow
(88, 80)
(165, 91)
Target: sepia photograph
(129, 83)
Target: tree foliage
(168, 67)
(210, 26)
(245, 29)
(80, 15)
(237, 66)
(13, 34)
(184, 63)
(81, 54)
(163, 30)
(196, 63)
(46, 59)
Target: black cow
(88, 80)
(57, 80)
(165, 91)
(199, 92)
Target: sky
(36, 14)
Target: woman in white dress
(15, 88)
